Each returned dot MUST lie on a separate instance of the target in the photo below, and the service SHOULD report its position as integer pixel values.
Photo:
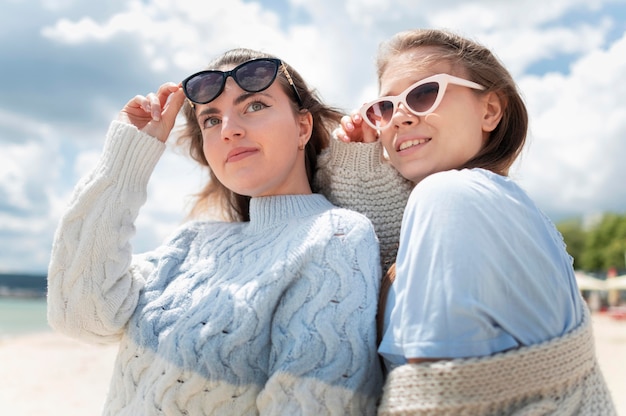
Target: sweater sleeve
(358, 177)
(323, 358)
(92, 288)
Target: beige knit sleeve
(560, 376)
(357, 176)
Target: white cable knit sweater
(274, 316)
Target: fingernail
(350, 126)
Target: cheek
(386, 139)
(209, 150)
(465, 134)
(473, 136)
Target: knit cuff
(360, 157)
(130, 155)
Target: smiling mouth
(411, 143)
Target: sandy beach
(47, 374)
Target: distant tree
(605, 244)
(615, 254)
(574, 237)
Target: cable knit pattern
(356, 176)
(557, 377)
(273, 316)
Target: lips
(406, 144)
(240, 153)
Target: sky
(69, 66)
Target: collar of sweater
(268, 211)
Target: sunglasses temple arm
(293, 85)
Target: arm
(92, 291)
(323, 358)
(356, 176)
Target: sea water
(22, 316)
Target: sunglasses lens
(204, 87)
(380, 113)
(423, 97)
(255, 76)
(251, 76)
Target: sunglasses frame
(232, 73)
(442, 79)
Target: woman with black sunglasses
(269, 311)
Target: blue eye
(210, 122)
(256, 106)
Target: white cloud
(575, 161)
(187, 30)
(573, 164)
(520, 48)
(13, 163)
(12, 121)
(27, 177)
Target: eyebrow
(238, 100)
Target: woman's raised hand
(353, 129)
(155, 113)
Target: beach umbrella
(616, 283)
(587, 282)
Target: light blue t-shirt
(480, 269)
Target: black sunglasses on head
(252, 76)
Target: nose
(232, 127)
(402, 116)
(231, 124)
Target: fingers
(347, 132)
(173, 103)
(134, 112)
(340, 134)
(152, 105)
(353, 129)
(347, 124)
(369, 134)
(155, 103)
(156, 112)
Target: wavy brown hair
(478, 64)
(233, 206)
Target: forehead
(411, 66)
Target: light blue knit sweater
(275, 316)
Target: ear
(305, 121)
(492, 111)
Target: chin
(243, 191)
(246, 187)
(409, 174)
(247, 192)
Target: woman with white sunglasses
(269, 311)
(484, 316)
